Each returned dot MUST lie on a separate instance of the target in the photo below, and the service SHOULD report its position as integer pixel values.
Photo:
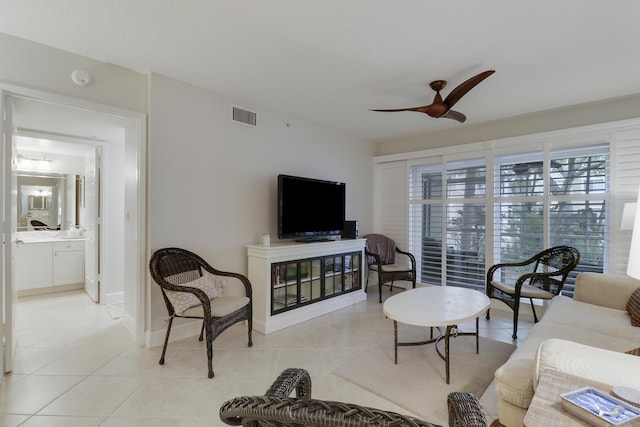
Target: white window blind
(566, 187)
(558, 201)
(448, 222)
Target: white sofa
(595, 317)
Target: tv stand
(314, 239)
(294, 282)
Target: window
(539, 199)
(447, 221)
(559, 202)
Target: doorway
(60, 178)
(121, 136)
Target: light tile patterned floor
(77, 366)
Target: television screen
(309, 208)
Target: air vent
(244, 116)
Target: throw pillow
(635, 351)
(183, 300)
(633, 307)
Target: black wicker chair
(276, 408)
(177, 271)
(381, 252)
(541, 276)
(39, 225)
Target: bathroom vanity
(49, 263)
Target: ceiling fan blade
(465, 87)
(455, 115)
(422, 109)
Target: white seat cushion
(390, 267)
(527, 291)
(220, 307)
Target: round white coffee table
(436, 306)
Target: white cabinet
(46, 265)
(332, 294)
(33, 265)
(68, 263)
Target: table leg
(395, 341)
(477, 335)
(446, 350)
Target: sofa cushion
(633, 307)
(514, 382)
(606, 290)
(603, 320)
(596, 364)
(514, 379)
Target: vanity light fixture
(33, 163)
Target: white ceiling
(330, 61)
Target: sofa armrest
(606, 290)
(592, 363)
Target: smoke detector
(81, 77)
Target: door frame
(137, 223)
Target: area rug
(417, 382)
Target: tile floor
(77, 366)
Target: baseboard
(114, 298)
(50, 289)
(128, 323)
(181, 329)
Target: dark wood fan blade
(455, 115)
(465, 87)
(422, 109)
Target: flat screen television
(310, 209)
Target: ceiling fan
(440, 108)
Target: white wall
(212, 182)
(114, 217)
(39, 67)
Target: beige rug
(417, 382)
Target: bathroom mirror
(49, 201)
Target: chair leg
(516, 309)
(250, 330)
(201, 331)
(488, 315)
(210, 349)
(166, 340)
(533, 308)
(366, 285)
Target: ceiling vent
(244, 116)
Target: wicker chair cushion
(182, 301)
(527, 291)
(390, 267)
(219, 308)
(633, 307)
